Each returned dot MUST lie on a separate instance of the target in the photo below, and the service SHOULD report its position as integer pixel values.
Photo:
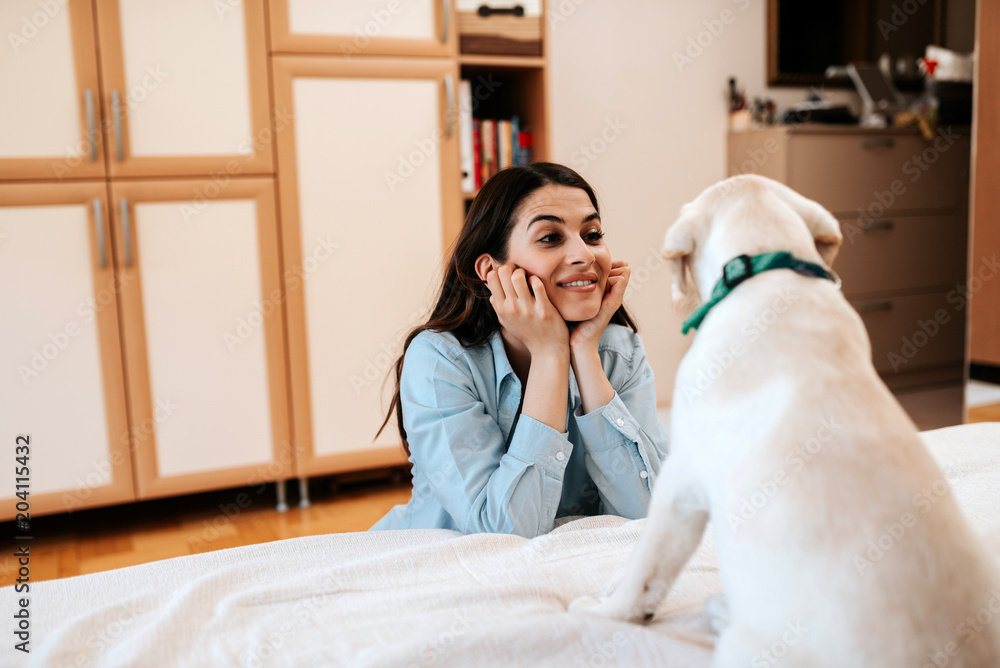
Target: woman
(526, 396)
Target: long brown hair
(463, 307)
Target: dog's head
(746, 214)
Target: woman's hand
(531, 318)
(587, 334)
(595, 389)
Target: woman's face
(557, 236)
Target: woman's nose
(579, 252)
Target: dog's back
(839, 541)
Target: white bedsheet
(412, 598)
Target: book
(488, 139)
(504, 145)
(495, 144)
(524, 149)
(477, 152)
(465, 147)
(515, 130)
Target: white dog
(828, 512)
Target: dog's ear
(824, 228)
(678, 245)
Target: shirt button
(643, 475)
(620, 422)
(560, 456)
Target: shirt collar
(501, 364)
(503, 369)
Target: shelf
(502, 62)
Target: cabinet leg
(282, 503)
(304, 493)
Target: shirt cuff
(537, 443)
(613, 415)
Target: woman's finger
(619, 267)
(615, 295)
(519, 279)
(615, 273)
(541, 297)
(504, 272)
(626, 273)
(496, 289)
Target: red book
(524, 148)
(488, 138)
(476, 162)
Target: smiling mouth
(576, 284)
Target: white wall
(619, 67)
(613, 70)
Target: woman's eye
(550, 238)
(595, 236)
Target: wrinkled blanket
(412, 598)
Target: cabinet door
(50, 119)
(202, 314)
(63, 382)
(185, 87)
(369, 198)
(363, 27)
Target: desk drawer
(902, 253)
(500, 27)
(913, 332)
(844, 172)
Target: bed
(413, 598)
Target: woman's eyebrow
(546, 216)
(557, 219)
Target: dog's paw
(609, 608)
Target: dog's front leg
(672, 533)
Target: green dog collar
(742, 267)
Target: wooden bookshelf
(502, 61)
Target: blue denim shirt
(481, 466)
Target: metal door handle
(116, 116)
(88, 98)
(446, 23)
(99, 224)
(126, 230)
(874, 307)
(486, 10)
(878, 142)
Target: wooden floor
(104, 538)
(985, 413)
